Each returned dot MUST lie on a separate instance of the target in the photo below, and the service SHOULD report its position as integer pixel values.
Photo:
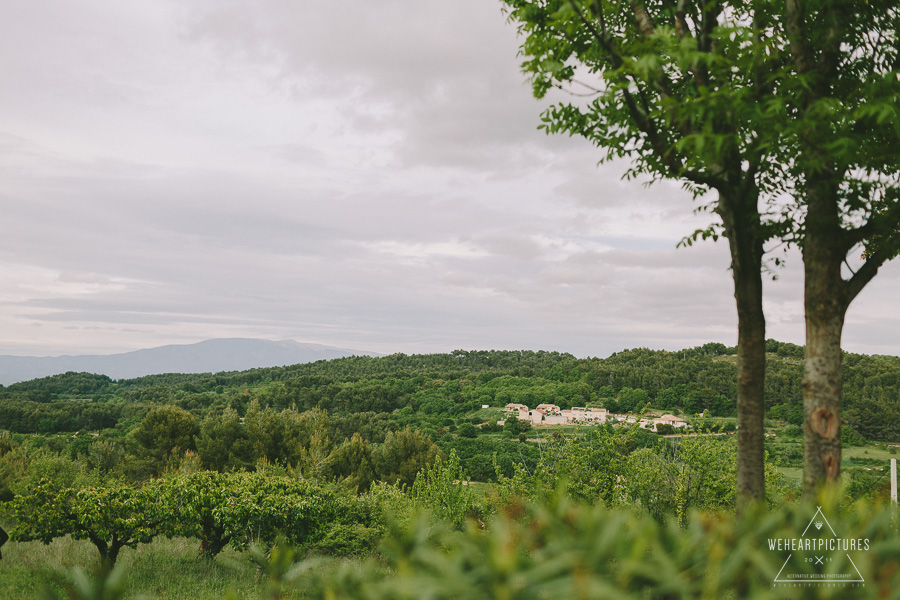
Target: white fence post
(894, 480)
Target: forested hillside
(365, 419)
(432, 392)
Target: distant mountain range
(211, 356)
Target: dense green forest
(436, 392)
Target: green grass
(869, 451)
(489, 414)
(792, 473)
(165, 569)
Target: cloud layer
(364, 175)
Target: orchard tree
(443, 488)
(240, 509)
(112, 518)
(194, 503)
(262, 508)
(681, 89)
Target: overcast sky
(359, 174)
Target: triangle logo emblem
(819, 556)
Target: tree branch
(644, 22)
(640, 112)
(709, 17)
(865, 274)
(749, 178)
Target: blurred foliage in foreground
(561, 550)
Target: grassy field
(868, 456)
(165, 569)
(872, 451)
(794, 474)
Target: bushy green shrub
(867, 485)
(354, 529)
(850, 437)
(467, 430)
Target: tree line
(425, 390)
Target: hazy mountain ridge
(211, 356)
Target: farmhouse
(652, 424)
(670, 420)
(519, 410)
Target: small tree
(262, 508)
(111, 518)
(351, 462)
(223, 443)
(240, 509)
(193, 503)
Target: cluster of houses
(551, 414)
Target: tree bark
(825, 302)
(741, 218)
(102, 548)
(214, 539)
(821, 395)
(113, 553)
(751, 385)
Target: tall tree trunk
(825, 303)
(740, 217)
(751, 386)
(821, 395)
